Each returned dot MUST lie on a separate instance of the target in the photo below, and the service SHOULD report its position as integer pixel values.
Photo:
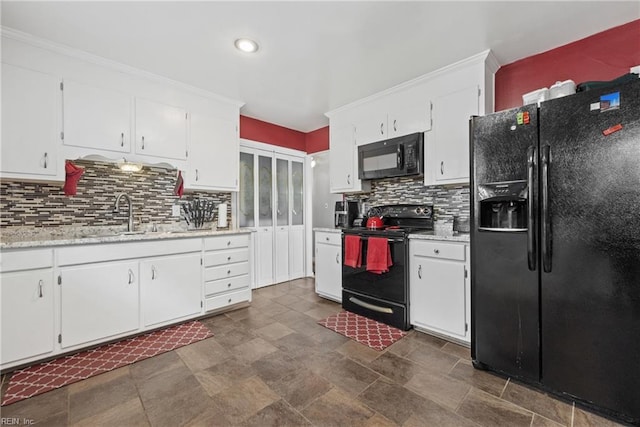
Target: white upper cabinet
(213, 153)
(96, 118)
(462, 90)
(161, 130)
(371, 124)
(450, 134)
(343, 161)
(397, 114)
(31, 125)
(409, 112)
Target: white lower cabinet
(56, 300)
(170, 288)
(98, 301)
(27, 314)
(439, 288)
(226, 271)
(329, 265)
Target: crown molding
(486, 55)
(49, 45)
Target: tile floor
(271, 365)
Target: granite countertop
(431, 235)
(328, 230)
(23, 237)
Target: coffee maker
(345, 213)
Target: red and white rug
(371, 333)
(38, 379)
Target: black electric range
(385, 297)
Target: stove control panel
(402, 211)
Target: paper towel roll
(222, 215)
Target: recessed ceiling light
(246, 45)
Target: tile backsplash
(45, 205)
(448, 201)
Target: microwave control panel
(411, 157)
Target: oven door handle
(390, 240)
(373, 307)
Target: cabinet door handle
(395, 127)
(143, 142)
(381, 128)
(349, 179)
(441, 168)
(131, 277)
(420, 271)
(122, 139)
(153, 272)
(197, 175)
(46, 157)
(337, 258)
(436, 251)
(40, 284)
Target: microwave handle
(400, 157)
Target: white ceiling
(314, 56)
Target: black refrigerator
(555, 247)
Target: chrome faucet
(115, 209)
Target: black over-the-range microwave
(400, 156)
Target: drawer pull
(229, 300)
(228, 258)
(229, 243)
(228, 271)
(153, 272)
(326, 238)
(229, 285)
(40, 283)
(436, 251)
(420, 271)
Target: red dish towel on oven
(378, 255)
(352, 251)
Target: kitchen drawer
(329, 238)
(226, 271)
(224, 285)
(227, 299)
(226, 242)
(26, 259)
(435, 249)
(225, 257)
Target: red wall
(257, 130)
(602, 56)
(318, 140)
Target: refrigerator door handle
(546, 218)
(531, 235)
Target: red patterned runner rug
(375, 335)
(38, 379)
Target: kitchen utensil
(375, 222)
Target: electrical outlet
(175, 210)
